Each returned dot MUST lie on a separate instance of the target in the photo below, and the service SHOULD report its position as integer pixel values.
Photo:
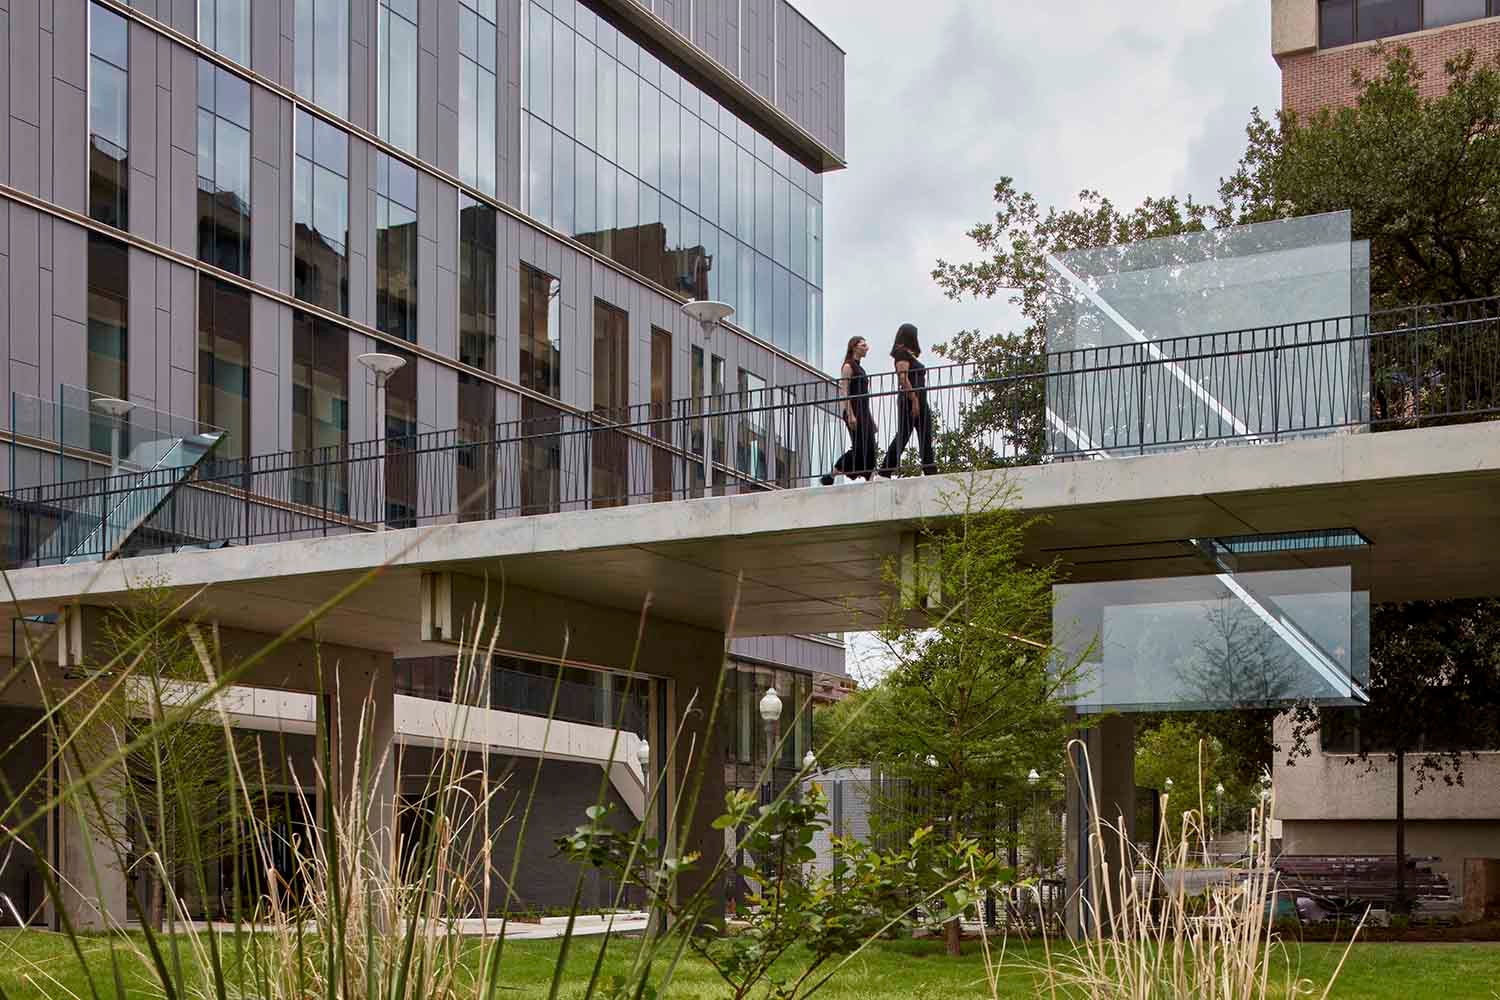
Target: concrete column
(358, 708)
(93, 885)
(1106, 781)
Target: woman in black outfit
(911, 404)
(854, 387)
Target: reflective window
(610, 451)
(322, 54)
(1380, 18)
(477, 284)
(1436, 13)
(476, 465)
(750, 452)
(395, 248)
(109, 117)
(223, 168)
(541, 332)
(397, 120)
(224, 26)
(401, 463)
(628, 156)
(476, 94)
(698, 388)
(320, 213)
(661, 412)
(320, 409)
(108, 313)
(224, 363)
(719, 400)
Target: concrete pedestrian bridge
(815, 559)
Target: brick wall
(1315, 79)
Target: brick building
(1321, 44)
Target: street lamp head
(383, 365)
(643, 755)
(111, 407)
(1167, 784)
(707, 313)
(770, 706)
(809, 761)
(1032, 778)
(1219, 788)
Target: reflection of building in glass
(644, 249)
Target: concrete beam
(1294, 26)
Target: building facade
(1332, 802)
(212, 208)
(1321, 44)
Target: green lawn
(907, 970)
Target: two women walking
(912, 412)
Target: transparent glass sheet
(1243, 333)
(1220, 641)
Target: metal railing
(1392, 370)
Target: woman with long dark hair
(912, 413)
(854, 406)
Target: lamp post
(770, 713)
(1219, 798)
(809, 761)
(1034, 780)
(115, 410)
(384, 366)
(708, 314)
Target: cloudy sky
(945, 97)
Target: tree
(154, 808)
(1418, 176)
(1430, 662)
(978, 695)
(1197, 764)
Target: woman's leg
(924, 442)
(898, 443)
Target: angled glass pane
(1217, 641)
(1245, 333)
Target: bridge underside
(815, 560)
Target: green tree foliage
(977, 694)
(1174, 747)
(865, 893)
(1419, 176)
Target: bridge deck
(811, 559)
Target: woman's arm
(903, 368)
(847, 373)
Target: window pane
(585, 113)
(1382, 18)
(540, 185)
(562, 78)
(606, 70)
(108, 310)
(108, 36)
(1436, 13)
(629, 135)
(562, 183)
(398, 79)
(322, 53)
(539, 63)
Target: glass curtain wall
(322, 54)
(750, 456)
(395, 248)
(477, 320)
(224, 364)
(628, 155)
(661, 413)
(476, 94)
(698, 386)
(400, 442)
(397, 118)
(108, 312)
(610, 450)
(1343, 22)
(109, 117)
(224, 26)
(541, 372)
(320, 214)
(320, 410)
(223, 168)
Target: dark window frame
(223, 214)
(396, 292)
(1416, 10)
(223, 328)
